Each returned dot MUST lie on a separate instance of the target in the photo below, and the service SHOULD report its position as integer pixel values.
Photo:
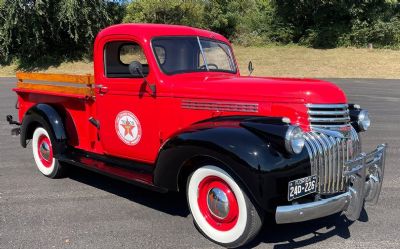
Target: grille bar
(345, 112)
(333, 126)
(328, 115)
(328, 106)
(330, 120)
(328, 155)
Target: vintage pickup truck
(167, 109)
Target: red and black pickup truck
(168, 109)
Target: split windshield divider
(202, 53)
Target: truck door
(126, 108)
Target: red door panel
(126, 109)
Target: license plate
(301, 187)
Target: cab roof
(149, 31)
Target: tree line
(48, 30)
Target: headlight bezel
(363, 120)
(294, 139)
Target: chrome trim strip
(219, 106)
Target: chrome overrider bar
(366, 173)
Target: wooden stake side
(58, 89)
(65, 78)
(87, 80)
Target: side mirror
(250, 67)
(136, 68)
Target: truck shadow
(279, 236)
(171, 203)
(296, 235)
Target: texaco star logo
(128, 128)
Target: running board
(134, 173)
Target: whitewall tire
(220, 208)
(42, 150)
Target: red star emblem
(128, 127)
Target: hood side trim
(221, 106)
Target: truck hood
(242, 88)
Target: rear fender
(47, 117)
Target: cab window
(192, 54)
(118, 55)
(218, 56)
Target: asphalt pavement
(87, 210)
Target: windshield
(192, 54)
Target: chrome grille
(328, 155)
(328, 115)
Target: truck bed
(71, 95)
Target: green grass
(76, 67)
(295, 61)
(290, 61)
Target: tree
(225, 16)
(184, 12)
(33, 29)
(330, 23)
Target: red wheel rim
(206, 192)
(45, 151)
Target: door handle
(101, 89)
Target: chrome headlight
(363, 120)
(294, 140)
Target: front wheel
(43, 154)
(220, 208)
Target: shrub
(249, 39)
(380, 33)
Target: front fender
(47, 117)
(250, 155)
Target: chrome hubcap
(217, 202)
(45, 151)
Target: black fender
(47, 117)
(250, 148)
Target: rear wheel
(220, 208)
(43, 154)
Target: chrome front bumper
(366, 173)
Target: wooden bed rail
(80, 84)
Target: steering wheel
(202, 67)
